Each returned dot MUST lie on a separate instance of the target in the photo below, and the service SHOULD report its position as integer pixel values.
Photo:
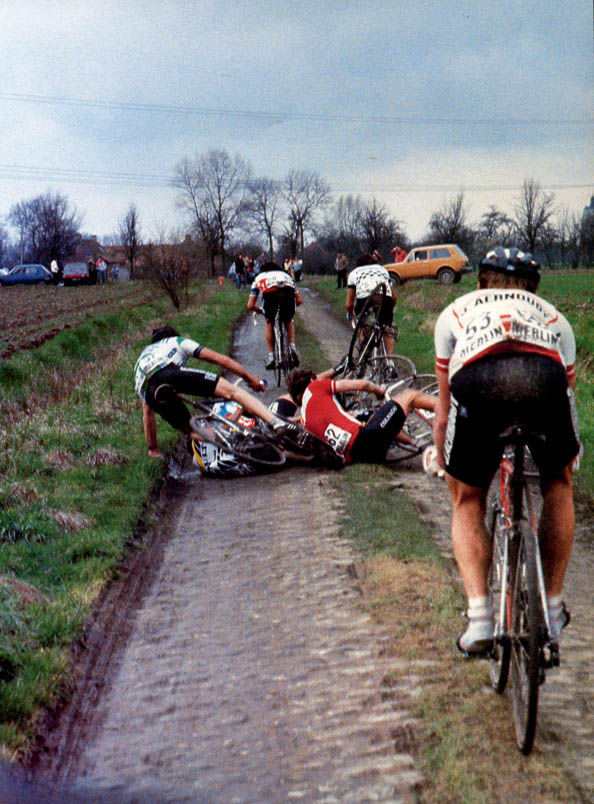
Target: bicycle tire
(387, 368)
(525, 643)
(278, 352)
(248, 445)
(499, 585)
(363, 338)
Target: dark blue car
(26, 275)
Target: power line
(126, 179)
(281, 115)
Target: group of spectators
(243, 270)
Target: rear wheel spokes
(525, 645)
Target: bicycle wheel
(279, 338)
(388, 369)
(525, 641)
(498, 587)
(364, 339)
(249, 445)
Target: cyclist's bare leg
(227, 390)
(470, 541)
(388, 343)
(290, 325)
(556, 530)
(269, 335)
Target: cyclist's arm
(441, 414)
(359, 385)
(231, 365)
(149, 425)
(350, 300)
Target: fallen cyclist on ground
(505, 356)
(357, 442)
(161, 374)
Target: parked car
(446, 263)
(76, 273)
(33, 274)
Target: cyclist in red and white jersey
(323, 415)
(503, 356)
(362, 282)
(278, 293)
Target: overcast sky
(406, 100)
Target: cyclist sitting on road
(161, 373)
(505, 356)
(278, 293)
(362, 282)
(323, 415)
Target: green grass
(75, 480)
(419, 304)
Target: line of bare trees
(227, 208)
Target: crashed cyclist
(161, 374)
(323, 415)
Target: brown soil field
(31, 315)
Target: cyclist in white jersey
(505, 355)
(362, 282)
(278, 293)
(161, 373)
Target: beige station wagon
(446, 263)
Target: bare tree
(48, 228)
(377, 228)
(448, 224)
(306, 194)
(212, 188)
(532, 213)
(169, 264)
(129, 231)
(4, 244)
(262, 209)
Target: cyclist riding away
(278, 293)
(505, 356)
(161, 373)
(362, 282)
(323, 415)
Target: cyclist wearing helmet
(278, 293)
(362, 282)
(505, 355)
(161, 373)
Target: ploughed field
(31, 315)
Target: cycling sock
(271, 355)
(292, 347)
(558, 616)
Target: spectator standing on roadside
(398, 253)
(341, 265)
(288, 267)
(92, 271)
(298, 270)
(239, 271)
(377, 257)
(55, 271)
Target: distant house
(88, 248)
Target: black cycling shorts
(386, 310)
(162, 399)
(281, 299)
(490, 395)
(376, 437)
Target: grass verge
(75, 480)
